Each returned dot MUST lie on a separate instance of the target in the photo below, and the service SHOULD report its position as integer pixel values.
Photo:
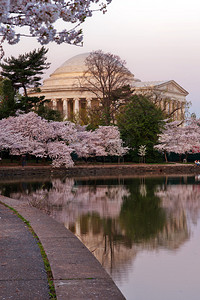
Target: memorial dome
(66, 76)
(70, 73)
(75, 64)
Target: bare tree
(109, 80)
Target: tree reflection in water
(141, 215)
(117, 218)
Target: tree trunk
(165, 156)
(25, 91)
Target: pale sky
(159, 40)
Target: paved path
(77, 274)
(22, 273)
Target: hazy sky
(159, 40)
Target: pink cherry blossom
(40, 18)
(29, 133)
(180, 138)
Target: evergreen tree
(7, 98)
(26, 70)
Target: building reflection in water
(117, 218)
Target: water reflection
(118, 218)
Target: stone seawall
(128, 170)
(98, 170)
(77, 274)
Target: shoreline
(100, 170)
(75, 270)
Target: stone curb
(77, 273)
(100, 170)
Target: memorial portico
(168, 95)
(70, 106)
(65, 94)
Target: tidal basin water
(144, 231)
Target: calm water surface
(144, 231)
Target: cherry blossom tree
(40, 17)
(29, 133)
(179, 138)
(110, 137)
(104, 141)
(168, 138)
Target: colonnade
(174, 107)
(70, 106)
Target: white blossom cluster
(180, 139)
(29, 133)
(142, 150)
(40, 17)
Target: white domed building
(65, 93)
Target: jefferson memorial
(65, 94)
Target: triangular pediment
(171, 86)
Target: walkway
(77, 274)
(22, 273)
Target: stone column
(54, 102)
(65, 108)
(178, 110)
(89, 102)
(170, 106)
(173, 109)
(76, 105)
(160, 104)
(167, 106)
(182, 110)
